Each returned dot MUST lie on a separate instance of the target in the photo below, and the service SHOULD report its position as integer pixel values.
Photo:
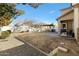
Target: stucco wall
(59, 26)
(70, 25)
(74, 4)
(76, 22)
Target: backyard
(38, 44)
(48, 41)
(35, 29)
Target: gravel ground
(49, 41)
(43, 41)
(20, 50)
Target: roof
(75, 5)
(44, 24)
(70, 7)
(65, 14)
(66, 8)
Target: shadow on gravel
(23, 50)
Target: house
(29, 26)
(65, 21)
(69, 20)
(44, 27)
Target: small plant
(5, 34)
(9, 31)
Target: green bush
(4, 34)
(9, 31)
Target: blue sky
(46, 13)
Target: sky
(45, 13)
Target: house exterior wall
(76, 23)
(74, 4)
(68, 20)
(70, 25)
(59, 26)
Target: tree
(7, 11)
(34, 5)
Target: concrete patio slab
(9, 43)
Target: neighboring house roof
(44, 24)
(65, 14)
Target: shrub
(4, 34)
(9, 31)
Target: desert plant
(4, 34)
(9, 31)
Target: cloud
(52, 11)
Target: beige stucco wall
(70, 25)
(74, 4)
(76, 22)
(68, 19)
(59, 26)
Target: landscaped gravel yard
(49, 41)
(13, 47)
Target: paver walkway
(9, 43)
